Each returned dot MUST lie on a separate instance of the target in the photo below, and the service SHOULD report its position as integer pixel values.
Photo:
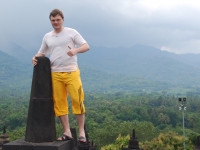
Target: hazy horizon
(170, 25)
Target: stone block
(21, 144)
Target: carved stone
(41, 121)
(4, 138)
(198, 144)
(133, 143)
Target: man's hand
(71, 51)
(34, 61)
(83, 48)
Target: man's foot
(64, 137)
(82, 136)
(82, 139)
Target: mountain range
(145, 62)
(106, 69)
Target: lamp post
(183, 108)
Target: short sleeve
(78, 39)
(44, 48)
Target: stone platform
(21, 144)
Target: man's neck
(58, 30)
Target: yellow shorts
(65, 83)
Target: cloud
(170, 24)
(191, 46)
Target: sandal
(82, 139)
(64, 137)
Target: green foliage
(13, 113)
(103, 82)
(120, 141)
(167, 141)
(108, 115)
(15, 77)
(164, 141)
(108, 131)
(17, 133)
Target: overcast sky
(172, 25)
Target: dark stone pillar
(198, 144)
(40, 129)
(92, 147)
(4, 138)
(73, 131)
(133, 143)
(41, 121)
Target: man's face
(57, 21)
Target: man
(63, 44)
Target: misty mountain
(16, 76)
(145, 62)
(17, 51)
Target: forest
(116, 103)
(111, 117)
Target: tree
(167, 141)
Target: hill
(16, 77)
(145, 62)
(103, 69)
(104, 82)
(16, 51)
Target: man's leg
(65, 123)
(75, 90)
(81, 122)
(60, 103)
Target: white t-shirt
(57, 46)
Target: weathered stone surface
(21, 144)
(73, 131)
(41, 121)
(4, 138)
